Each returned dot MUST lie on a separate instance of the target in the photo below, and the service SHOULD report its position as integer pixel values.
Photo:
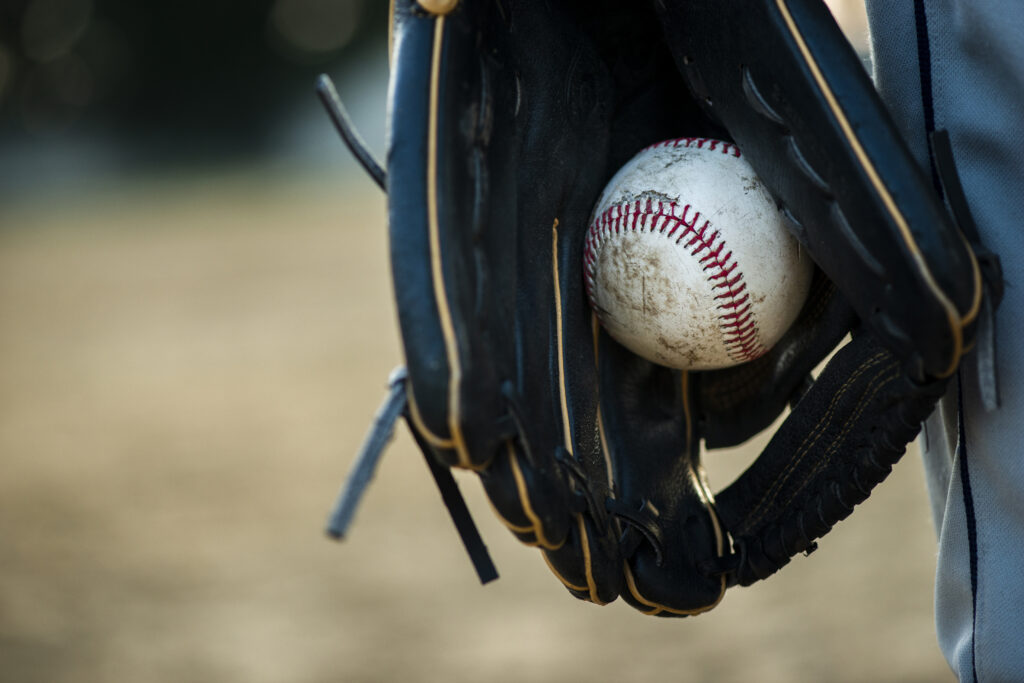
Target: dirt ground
(186, 370)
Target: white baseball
(688, 262)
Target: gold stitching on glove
(758, 511)
(657, 608)
(591, 587)
(444, 313)
(700, 483)
(530, 528)
(609, 464)
(524, 499)
(514, 528)
(391, 33)
(588, 566)
(558, 575)
(877, 384)
(438, 7)
(566, 427)
(707, 498)
(956, 321)
(421, 427)
(709, 502)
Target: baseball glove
(506, 120)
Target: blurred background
(195, 332)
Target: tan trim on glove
(438, 7)
(956, 321)
(565, 582)
(444, 313)
(562, 394)
(391, 33)
(591, 588)
(421, 428)
(708, 500)
(524, 499)
(657, 609)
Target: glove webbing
(841, 440)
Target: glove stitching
(876, 386)
(808, 443)
(526, 504)
(832, 487)
(867, 464)
(758, 511)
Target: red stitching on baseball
(736, 319)
(700, 143)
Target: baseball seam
(709, 144)
(740, 334)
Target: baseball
(688, 262)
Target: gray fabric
(977, 70)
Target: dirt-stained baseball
(688, 262)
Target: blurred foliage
(192, 79)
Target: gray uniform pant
(959, 65)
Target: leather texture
(506, 119)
